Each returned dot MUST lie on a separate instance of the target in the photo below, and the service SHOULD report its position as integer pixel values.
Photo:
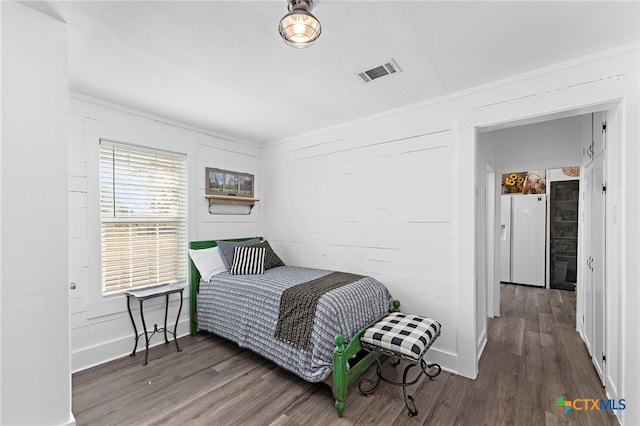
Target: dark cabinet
(564, 233)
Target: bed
(246, 309)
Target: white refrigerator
(523, 230)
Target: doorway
(521, 146)
(548, 143)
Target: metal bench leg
(374, 385)
(427, 367)
(409, 400)
(368, 386)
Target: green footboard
(344, 376)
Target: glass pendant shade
(299, 28)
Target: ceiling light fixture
(299, 28)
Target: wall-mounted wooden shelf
(231, 198)
(230, 204)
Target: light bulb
(299, 28)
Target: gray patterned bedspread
(245, 308)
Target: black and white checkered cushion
(404, 334)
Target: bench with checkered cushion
(402, 334)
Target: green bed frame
(342, 376)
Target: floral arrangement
(532, 182)
(512, 182)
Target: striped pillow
(248, 261)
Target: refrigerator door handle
(511, 210)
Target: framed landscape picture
(227, 182)
(245, 185)
(215, 180)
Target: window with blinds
(143, 212)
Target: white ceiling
(221, 65)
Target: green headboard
(194, 279)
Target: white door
(585, 286)
(597, 265)
(529, 239)
(505, 239)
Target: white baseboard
(482, 343)
(71, 421)
(448, 361)
(108, 351)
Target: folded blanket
(298, 307)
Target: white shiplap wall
(100, 326)
(376, 198)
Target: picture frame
(245, 185)
(228, 183)
(529, 182)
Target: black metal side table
(148, 293)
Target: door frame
(493, 260)
(483, 124)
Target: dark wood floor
(533, 355)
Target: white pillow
(208, 262)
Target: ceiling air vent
(389, 67)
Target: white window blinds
(143, 215)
